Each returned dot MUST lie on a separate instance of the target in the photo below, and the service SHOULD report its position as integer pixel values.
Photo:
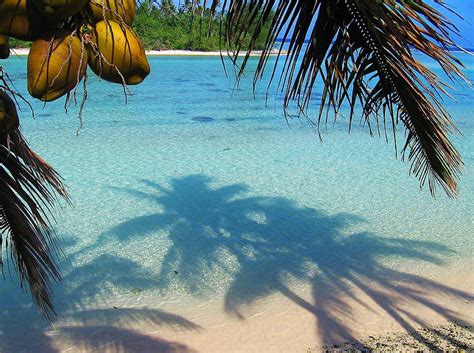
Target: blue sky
(466, 9)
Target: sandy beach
(25, 51)
(398, 316)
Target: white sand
(290, 321)
(25, 51)
(199, 53)
(20, 52)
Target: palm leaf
(28, 190)
(362, 50)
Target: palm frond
(29, 187)
(363, 51)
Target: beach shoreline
(294, 322)
(184, 53)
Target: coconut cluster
(69, 35)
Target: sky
(466, 27)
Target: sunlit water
(194, 190)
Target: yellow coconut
(113, 10)
(4, 46)
(8, 115)
(20, 19)
(59, 9)
(122, 56)
(56, 64)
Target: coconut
(122, 57)
(20, 19)
(113, 10)
(8, 115)
(56, 64)
(4, 46)
(59, 9)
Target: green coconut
(113, 10)
(122, 57)
(21, 20)
(56, 64)
(59, 9)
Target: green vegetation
(165, 26)
(16, 43)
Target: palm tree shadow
(114, 339)
(258, 246)
(110, 329)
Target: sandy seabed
(411, 314)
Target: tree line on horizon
(187, 26)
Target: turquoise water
(194, 190)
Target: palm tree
(28, 189)
(362, 50)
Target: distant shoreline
(25, 51)
(256, 53)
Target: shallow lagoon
(195, 194)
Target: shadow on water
(106, 330)
(256, 246)
(265, 243)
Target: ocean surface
(195, 191)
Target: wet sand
(436, 312)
